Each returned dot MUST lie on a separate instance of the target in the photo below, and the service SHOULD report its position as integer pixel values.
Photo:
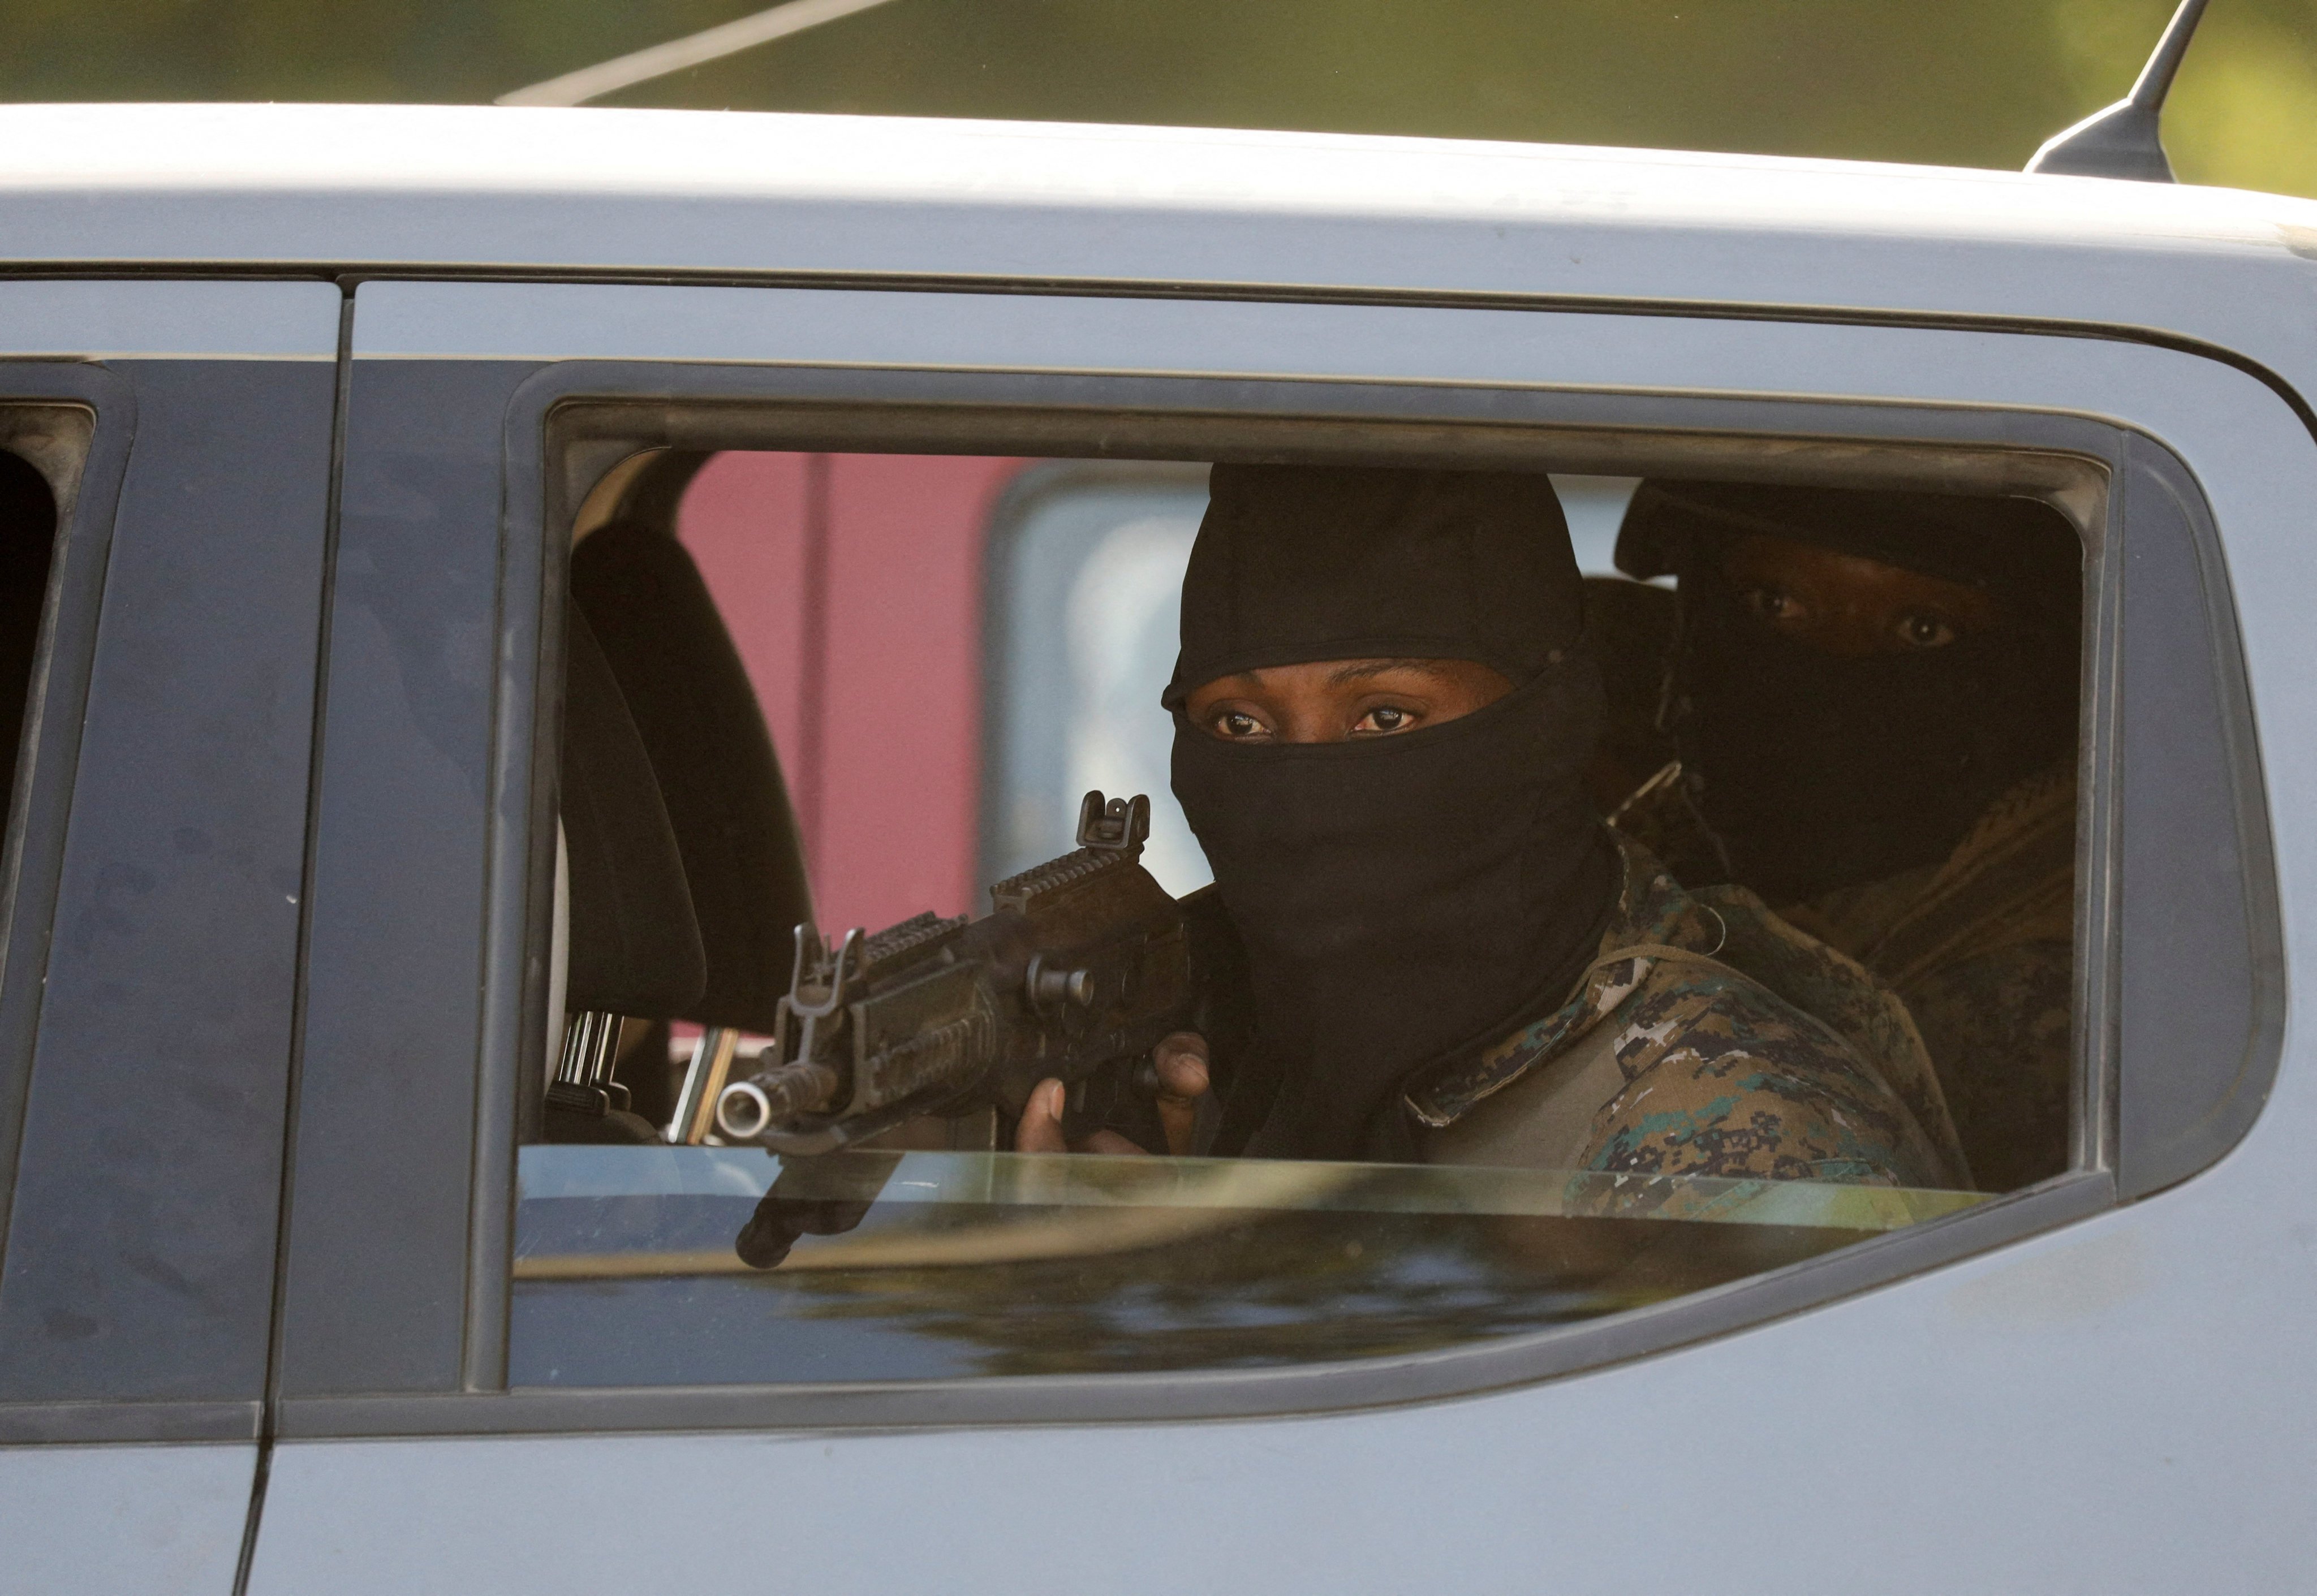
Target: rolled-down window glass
(1302, 913)
(712, 1266)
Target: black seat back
(704, 735)
(635, 945)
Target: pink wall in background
(901, 747)
(874, 700)
(743, 520)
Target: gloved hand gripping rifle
(1084, 965)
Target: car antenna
(2122, 141)
(679, 55)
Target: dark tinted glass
(28, 532)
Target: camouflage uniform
(1981, 948)
(1709, 1037)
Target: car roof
(746, 195)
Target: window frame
(84, 467)
(568, 420)
(175, 1316)
(135, 832)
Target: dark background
(1953, 82)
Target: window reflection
(941, 1265)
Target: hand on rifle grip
(1182, 1065)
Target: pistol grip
(1123, 1098)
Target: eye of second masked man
(1335, 701)
(1849, 606)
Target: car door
(155, 872)
(2089, 1382)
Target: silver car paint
(93, 1521)
(2124, 1405)
(2108, 1407)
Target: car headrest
(634, 941)
(705, 733)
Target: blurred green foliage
(1962, 83)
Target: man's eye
(1232, 724)
(1924, 629)
(1383, 718)
(1773, 605)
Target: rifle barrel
(746, 1107)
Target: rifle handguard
(1082, 967)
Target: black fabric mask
(1816, 771)
(1399, 897)
(1403, 898)
(1300, 563)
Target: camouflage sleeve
(1999, 1028)
(1723, 1079)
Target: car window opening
(1303, 912)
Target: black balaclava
(1399, 897)
(1815, 772)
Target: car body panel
(2019, 1423)
(523, 192)
(2115, 1404)
(77, 1520)
(1952, 1398)
(137, 1296)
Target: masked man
(1873, 697)
(1384, 710)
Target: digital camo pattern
(2002, 1025)
(1981, 948)
(1985, 958)
(1828, 984)
(1722, 1075)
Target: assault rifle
(1086, 963)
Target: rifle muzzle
(746, 1108)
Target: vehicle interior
(709, 764)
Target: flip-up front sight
(1120, 823)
